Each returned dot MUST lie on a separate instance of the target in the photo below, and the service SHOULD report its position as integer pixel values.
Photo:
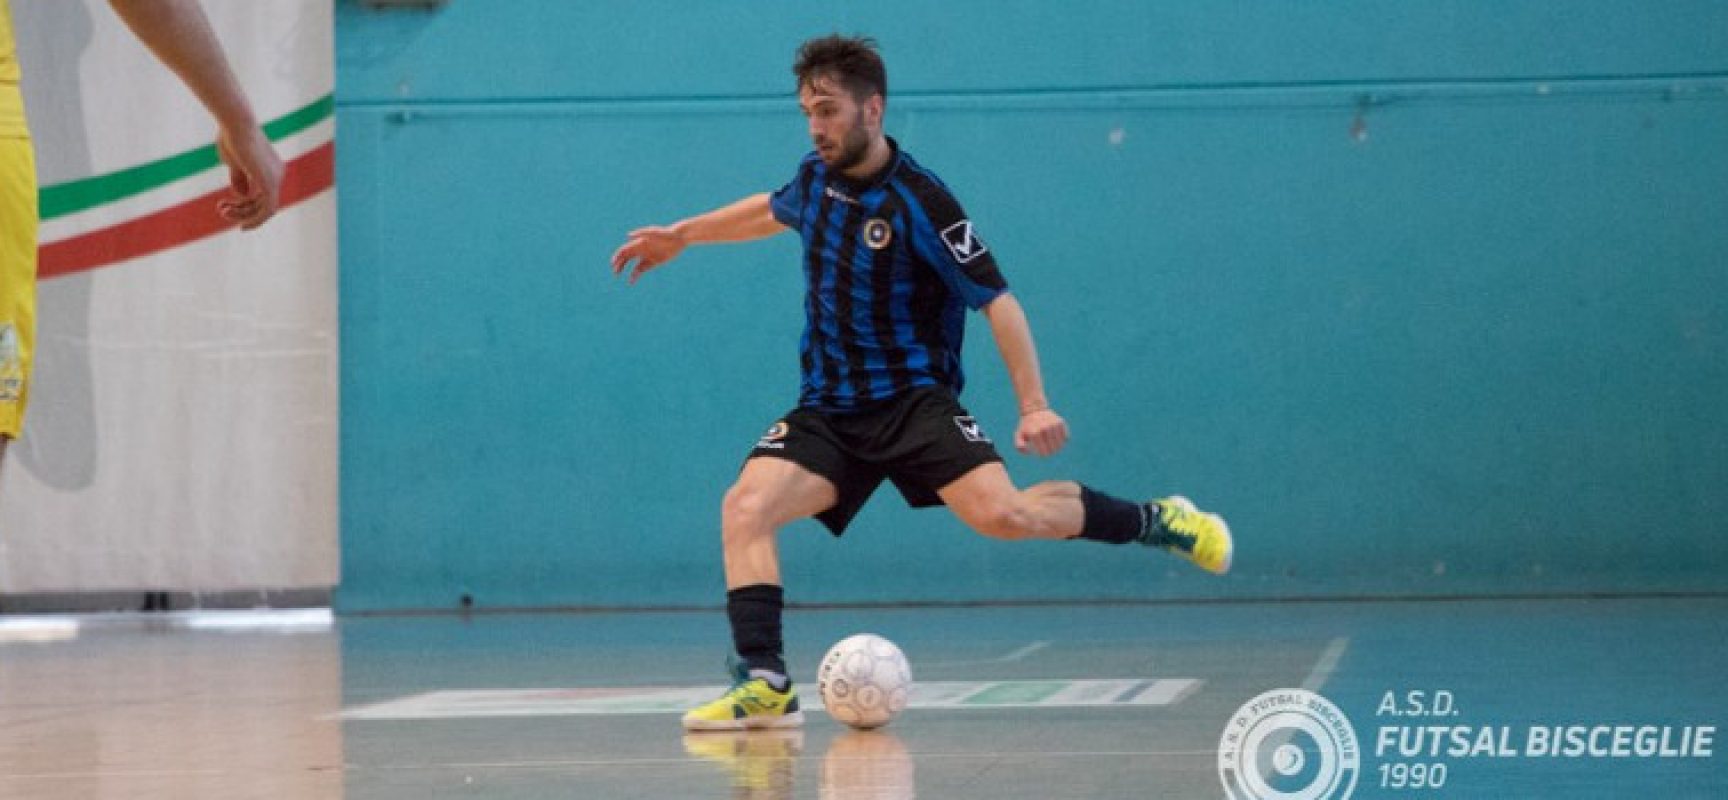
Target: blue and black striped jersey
(892, 264)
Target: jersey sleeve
(943, 236)
(788, 202)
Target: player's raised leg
(986, 500)
(769, 493)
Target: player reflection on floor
(859, 765)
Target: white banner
(182, 433)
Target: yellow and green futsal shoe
(751, 704)
(1198, 536)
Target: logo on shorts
(970, 429)
(962, 242)
(771, 439)
(877, 233)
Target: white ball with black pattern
(865, 681)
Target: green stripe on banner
(75, 196)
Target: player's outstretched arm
(747, 219)
(1041, 430)
(179, 34)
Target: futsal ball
(864, 681)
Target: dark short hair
(851, 61)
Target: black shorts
(922, 440)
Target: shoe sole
(792, 720)
(1229, 545)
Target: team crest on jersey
(877, 233)
(962, 242)
(970, 429)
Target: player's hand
(254, 177)
(1041, 433)
(649, 247)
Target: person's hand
(1041, 433)
(649, 247)
(254, 177)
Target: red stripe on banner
(178, 225)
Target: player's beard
(854, 147)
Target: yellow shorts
(17, 279)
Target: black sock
(1111, 519)
(755, 615)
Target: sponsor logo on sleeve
(962, 242)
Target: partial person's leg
(17, 282)
(986, 500)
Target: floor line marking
(1023, 652)
(1008, 658)
(1328, 662)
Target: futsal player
(892, 264)
(179, 34)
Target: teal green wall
(1428, 298)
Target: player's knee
(1001, 520)
(744, 511)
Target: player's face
(840, 126)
